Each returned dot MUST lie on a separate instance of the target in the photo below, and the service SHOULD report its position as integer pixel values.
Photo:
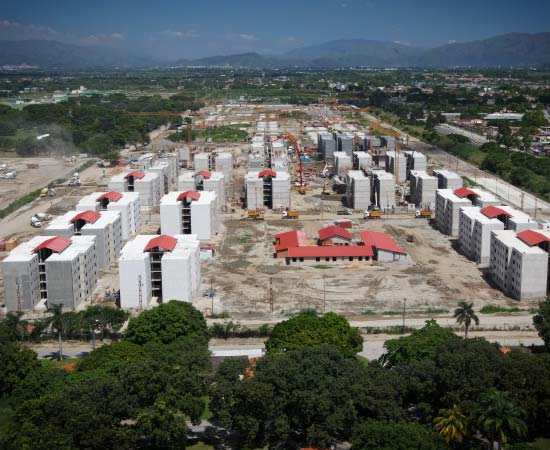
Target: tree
(498, 418)
(107, 319)
(451, 425)
(541, 320)
(533, 119)
(309, 331)
(57, 322)
(373, 435)
(16, 362)
(161, 428)
(464, 315)
(167, 322)
(421, 344)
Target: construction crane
(301, 188)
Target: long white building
(147, 184)
(519, 262)
(204, 181)
(189, 212)
(126, 203)
(448, 203)
(357, 190)
(104, 225)
(382, 189)
(477, 224)
(160, 268)
(423, 187)
(447, 179)
(52, 269)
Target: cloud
(344, 5)
(191, 34)
(242, 37)
(291, 40)
(451, 41)
(101, 37)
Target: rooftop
(332, 231)
(381, 241)
(511, 239)
(135, 249)
(325, 251)
(288, 239)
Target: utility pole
(18, 288)
(404, 309)
(211, 295)
(140, 294)
(270, 295)
(324, 295)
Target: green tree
(451, 425)
(309, 331)
(57, 322)
(16, 362)
(541, 320)
(498, 418)
(373, 435)
(161, 428)
(465, 315)
(421, 344)
(108, 319)
(166, 323)
(533, 119)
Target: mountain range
(508, 50)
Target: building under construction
(267, 189)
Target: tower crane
(290, 137)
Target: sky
(183, 29)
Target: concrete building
(202, 161)
(162, 168)
(342, 163)
(128, 204)
(415, 161)
(224, 164)
(357, 190)
(147, 184)
(382, 189)
(105, 226)
(56, 270)
(447, 179)
(361, 161)
(477, 224)
(189, 212)
(344, 143)
(326, 146)
(422, 188)
(204, 181)
(519, 262)
(267, 189)
(448, 203)
(401, 165)
(156, 268)
(388, 142)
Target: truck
(35, 222)
(43, 217)
(47, 192)
(375, 214)
(423, 214)
(254, 215)
(290, 215)
(344, 212)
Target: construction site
(354, 199)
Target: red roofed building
(532, 238)
(494, 211)
(289, 239)
(56, 244)
(334, 235)
(383, 246)
(162, 243)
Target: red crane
(292, 139)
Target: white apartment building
(204, 181)
(519, 262)
(447, 179)
(159, 268)
(147, 184)
(422, 189)
(104, 225)
(56, 270)
(357, 190)
(342, 163)
(189, 212)
(267, 189)
(382, 189)
(448, 203)
(126, 203)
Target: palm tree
(451, 424)
(57, 322)
(464, 315)
(16, 325)
(498, 417)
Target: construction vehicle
(326, 190)
(254, 214)
(290, 215)
(423, 214)
(375, 214)
(344, 212)
(301, 188)
(35, 222)
(47, 192)
(43, 217)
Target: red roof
(294, 238)
(135, 174)
(193, 195)
(266, 172)
(532, 237)
(87, 216)
(334, 230)
(205, 173)
(113, 196)
(464, 192)
(493, 211)
(380, 241)
(56, 244)
(327, 251)
(162, 241)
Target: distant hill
(53, 54)
(508, 50)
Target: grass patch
(245, 239)
(368, 312)
(206, 414)
(541, 444)
(201, 446)
(221, 134)
(435, 311)
(18, 203)
(53, 363)
(220, 315)
(493, 309)
(322, 266)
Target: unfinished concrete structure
(358, 194)
(267, 189)
(223, 162)
(326, 146)
(519, 262)
(382, 189)
(202, 161)
(344, 143)
(56, 270)
(361, 161)
(128, 204)
(422, 189)
(391, 157)
(147, 184)
(476, 225)
(342, 163)
(415, 161)
(153, 269)
(105, 226)
(389, 142)
(447, 179)
(448, 203)
(204, 181)
(189, 212)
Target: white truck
(35, 222)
